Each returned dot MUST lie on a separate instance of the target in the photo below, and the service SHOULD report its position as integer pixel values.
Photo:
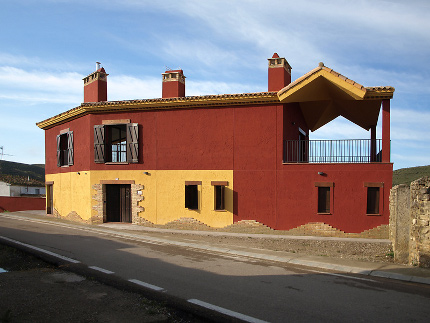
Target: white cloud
(209, 87)
(123, 87)
(39, 86)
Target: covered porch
(322, 96)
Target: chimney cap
(174, 71)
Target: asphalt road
(262, 290)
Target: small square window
(191, 197)
(219, 197)
(372, 200)
(323, 199)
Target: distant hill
(17, 173)
(408, 175)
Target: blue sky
(48, 46)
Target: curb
(283, 259)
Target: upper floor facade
(254, 131)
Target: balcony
(332, 151)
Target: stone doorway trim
(100, 198)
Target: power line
(2, 153)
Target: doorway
(49, 199)
(118, 203)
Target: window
(116, 143)
(37, 191)
(372, 200)
(219, 197)
(325, 197)
(219, 194)
(65, 148)
(192, 194)
(191, 197)
(116, 148)
(374, 203)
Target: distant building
(221, 159)
(13, 189)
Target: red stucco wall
(278, 78)
(95, 91)
(83, 144)
(297, 195)
(173, 89)
(248, 140)
(18, 203)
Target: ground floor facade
(157, 196)
(349, 197)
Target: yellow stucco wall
(163, 194)
(71, 192)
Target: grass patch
(408, 175)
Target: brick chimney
(173, 84)
(279, 73)
(95, 85)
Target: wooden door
(49, 199)
(125, 213)
(118, 203)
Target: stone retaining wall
(409, 222)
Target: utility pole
(2, 153)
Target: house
(221, 159)
(11, 188)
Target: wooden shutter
(99, 144)
(70, 151)
(132, 143)
(58, 151)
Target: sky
(48, 46)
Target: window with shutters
(65, 153)
(116, 143)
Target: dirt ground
(363, 250)
(34, 291)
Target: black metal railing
(332, 151)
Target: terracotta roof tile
(160, 103)
(342, 77)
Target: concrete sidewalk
(136, 232)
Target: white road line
(101, 269)
(43, 250)
(141, 283)
(108, 233)
(225, 311)
(340, 275)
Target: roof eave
(155, 104)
